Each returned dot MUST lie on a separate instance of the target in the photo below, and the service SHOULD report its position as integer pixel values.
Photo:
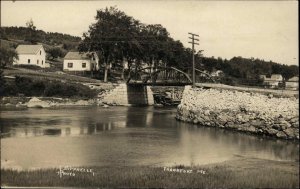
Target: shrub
(59, 89)
(37, 88)
(10, 89)
(32, 67)
(55, 52)
(2, 83)
(23, 85)
(7, 56)
(30, 87)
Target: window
(70, 65)
(28, 61)
(42, 62)
(84, 65)
(40, 52)
(38, 61)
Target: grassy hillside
(11, 37)
(25, 35)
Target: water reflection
(123, 136)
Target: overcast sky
(267, 30)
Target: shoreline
(239, 172)
(245, 112)
(48, 102)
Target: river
(123, 136)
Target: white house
(31, 55)
(274, 81)
(217, 73)
(76, 61)
(292, 84)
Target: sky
(260, 29)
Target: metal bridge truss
(165, 76)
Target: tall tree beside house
(113, 36)
(131, 48)
(7, 56)
(155, 44)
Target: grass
(237, 173)
(40, 74)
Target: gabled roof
(78, 56)
(28, 49)
(276, 75)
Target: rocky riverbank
(241, 111)
(46, 102)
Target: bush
(23, 85)
(37, 88)
(31, 67)
(2, 83)
(55, 52)
(10, 90)
(7, 56)
(29, 87)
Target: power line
(193, 44)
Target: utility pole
(194, 43)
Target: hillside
(11, 37)
(239, 70)
(17, 35)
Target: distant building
(275, 81)
(203, 73)
(76, 61)
(31, 55)
(292, 84)
(217, 73)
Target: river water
(123, 136)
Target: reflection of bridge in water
(90, 129)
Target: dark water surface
(117, 136)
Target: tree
(32, 37)
(155, 46)
(55, 52)
(113, 36)
(7, 56)
(30, 24)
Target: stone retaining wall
(129, 95)
(241, 111)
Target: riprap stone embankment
(241, 111)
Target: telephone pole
(194, 38)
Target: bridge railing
(158, 75)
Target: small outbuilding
(292, 84)
(77, 61)
(217, 73)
